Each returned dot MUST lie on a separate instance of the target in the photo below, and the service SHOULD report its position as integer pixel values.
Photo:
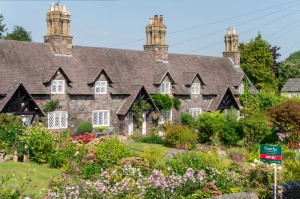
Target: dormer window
(195, 88)
(165, 88)
(57, 86)
(101, 87)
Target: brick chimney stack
(156, 39)
(231, 46)
(58, 26)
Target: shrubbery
(152, 138)
(11, 128)
(110, 151)
(180, 137)
(38, 142)
(85, 127)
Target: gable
(101, 75)
(58, 74)
(139, 93)
(228, 101)
(19, 102)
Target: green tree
(257, 62)
(289, 68)
(2, 27)
(210, 127)
(254, 126)
(19, 33)
(285, 118)
(231, 132)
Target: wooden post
(26, 158)
(15, 159)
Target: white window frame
(55, 120)
(163, 119)
(195, 111)
(100, 113)
(57, 86)
(101, 87)
(165, 87)
(195, 88)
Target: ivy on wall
(137, 110)
(165, 102)
(52, 105)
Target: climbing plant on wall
(52, 105)
(137, 110)
(165, 102)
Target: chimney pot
(151, 20)
(52, 6)
(233, 30)
(229, 31)
(161, 19)
(155, 19)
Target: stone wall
(241, 195)
(287, 191)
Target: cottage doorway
(130, 123)
(144, 126)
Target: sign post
(271, 154)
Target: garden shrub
(38, 142)
(210, 126)
(254, 126)
(188, 120)
(292, 170)
(215, 168)
(180, 137)
(289, 155)
(258, 176)
(237, 155)
(155, 157)
(83, 138)
(136, 162)
(11, 128)
(110, 152)
(152, 138)
(231, 133)
(84, 127)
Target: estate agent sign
(270, 154)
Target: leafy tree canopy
(2, 27)
(257, 62)
(290, 68)
(19, 33)
(286, 119)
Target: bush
(237, 155)
(110, 152)
(84, 138)
(38, 142)
(210, 126)
(11, 128)
(289, 155)
(292, 170)
(188, 120)
(84, 127)
(231, 132)
(254, 126)
(180, 137)
(152, 138)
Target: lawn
(39, 175)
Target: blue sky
(110, 23)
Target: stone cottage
(101, 84)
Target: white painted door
(144, 127)
(130, 123)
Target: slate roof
(292, 85)
(33, 63)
